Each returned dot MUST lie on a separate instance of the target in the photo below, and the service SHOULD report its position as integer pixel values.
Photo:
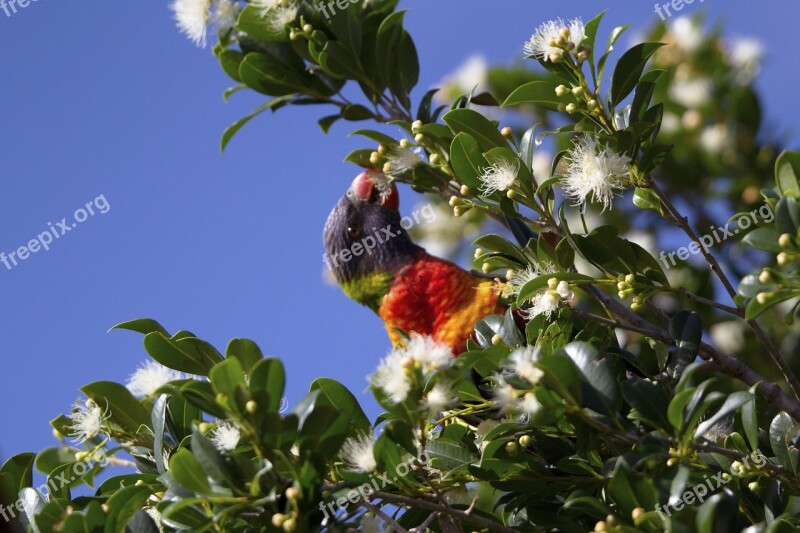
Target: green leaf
(770, 299)
(226, 378)
(176, 355)
(260, 27)
(333, 393)
(540, 92)
(467, 160)
(478, 126)
(189, 472)
(780, 431)
(532, 287)
(246, 351)
(787, 172)
(269, 376)
(629, 69)
(142, 325)
(764, 239)
(123, 407)
(15, 475)
(732, 403)
(448, 455)
(687, 329)
(500, 245)
(649, 400)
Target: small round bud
(382, 149)
(571, 108)
(552, 283)
(625, 293)
(204, 427)
(251, 407)
(511, 194)
(583, 55)
(486, 268)
(525, 441)
(405, 143)
(497, 339)
(563, 289)
(308, 28)
(637, 306)
(278, 519)
(387, 167)
(638, 513)
(564, 32)
(562, 90)
(630, 278)
(294, 36)
(600, 526)
(221, 398)
(435, 159)
(374, 158)
(726, 476)
(417, 124)
(578, 91)
(622, 285)
(753, 486)
(419, 137)
(139, 482)
(479, 252)
(783, 258)
(560, 40)
(460, 210)
(511, 448)
(737, 466)
(555, 56)
(290, 525)
(506, 132)
(454, 201)
(562, 107)
(785, 240)
(672, 461)
(765, 276)
(292, 493)
(762, 297)
(465, 190)
(592, 104)
(611, 519)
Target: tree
(600, 401)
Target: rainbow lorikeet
(377, 265)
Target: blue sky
(103, 98)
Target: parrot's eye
(354, 232)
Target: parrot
(376, 264)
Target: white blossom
(225, 14)
(691, 92)
(523, 363)
(728, 336)
(439, 398)
(714, 139)
(472, 74)
(545, 42)
(192, 17)
(226, 437)
(88, 421)
(358, 455)
(400, 160)
(520, 278)
(392, 378)
(151, 376)
(688, 35)
(543, 303)
(529, 405)
(428, 352)
(505, 396)
(594, 171)
(500, 176)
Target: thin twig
(386, 518)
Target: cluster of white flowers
(554, 38)
(226, 437)
(358, 453)
(594, 170)
(151, 376)
(195, 16)
(88, 421)
(499, 177)
(393, 376)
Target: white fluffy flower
(500, 176)
(714, 139)
(192, 17)
(358, 455)
(688, 34)
(225, 14)
(392, 378)
(520, 278)
(594, 171)
(746, 55)
(439, 398)
(400, 160)
(692, 92)
(88, 421)
(151, 376)
(282, 15)
(544, 303)
(544, 43)
(226, 437)
(529, 405)
(505, 395)
(523, 363)
(728, 336)
(428, 352)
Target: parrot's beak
(366, 188)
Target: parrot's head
(365, 244)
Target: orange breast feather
(435, 297)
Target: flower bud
(278, 519)
(511, 194)
(465, 190)
(765, 276)
(785, 240)
(454, 201)
(762, 297)
(497, 339)
(592, 104)
(405, 143)
(417, 124)
(753, 486)
(374, 158)
(783, 258)
(308, 28)
(251, 407)
(506, 132)
(479, 252)
(292, 493)
(552, 283)
(419, 137)
(460, 210)
(525, 441)
(435, 159)
(510, 273)
(672, 461)
(562, 90)
(583, 55)
(486, 268)
(511, 448)
(571, 108)
(638, 513)
(630, 278)
(578, 91)
(382, 149)
(387, 167)
(600, 526)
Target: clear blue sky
(106, 98)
